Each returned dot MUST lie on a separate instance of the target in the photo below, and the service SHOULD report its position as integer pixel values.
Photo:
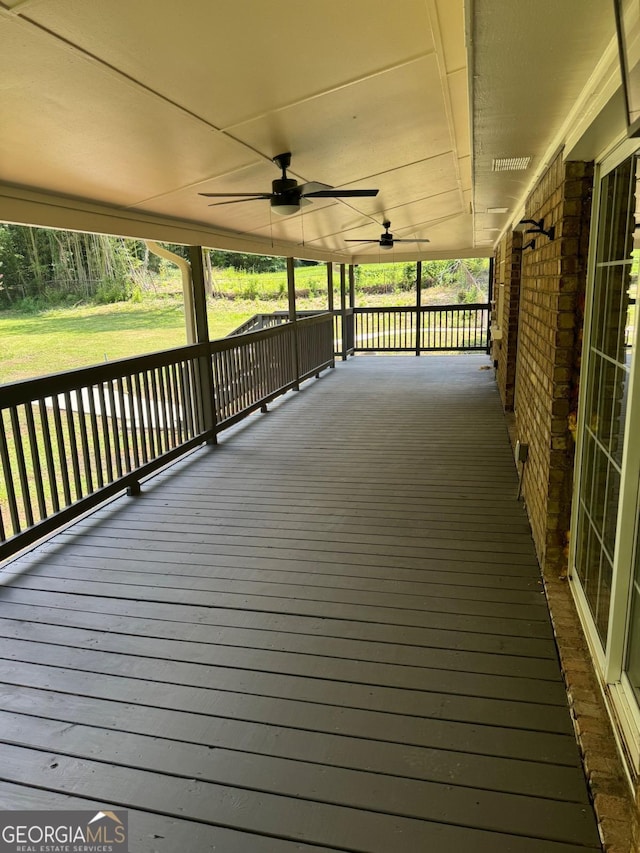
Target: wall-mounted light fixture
(537, 229)
(530, 245)
(628, 30)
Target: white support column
(187, 286)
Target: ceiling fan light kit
(287, 196)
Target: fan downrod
(283, 161)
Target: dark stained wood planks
(328, 632)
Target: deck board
(326, 633)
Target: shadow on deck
(327, 633)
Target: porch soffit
(115, 115)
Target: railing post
(343, 310)
(418, 306)
(489, 300)
(330, 303)
(205, 367)
(293, 319)
(351, 317)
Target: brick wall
(507, 264)
(552, 287)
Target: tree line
(54, 267)
(43, 267)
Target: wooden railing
(70, 440)
(433, 328)
(261, 321)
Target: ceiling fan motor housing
(283, 186)
(386, 240)
(285, 198)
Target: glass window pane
(631, 300)
(592, 571)
(598, 491)
(611, 511)
(621, 226)
(606, 396)
(604, 598)
(582, 540)
(588, 455)
(616, 303)
(619, 413)
(599, 307)
(593, 391)
(604, 219)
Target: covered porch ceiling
(115, 115)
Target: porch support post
(418, 306)
(205, 367)
(330, 303)
(489, 300)
(329, 286)
(352, 286)
(291, 292)
(343, 310)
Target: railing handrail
(256, 321)
(425, 309)
(22, 390)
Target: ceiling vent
(510, 164)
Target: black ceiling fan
(387, 239)
(287, 196)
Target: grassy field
(61, 339)
(50, 341)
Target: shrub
(251, 288)
(112, 290)
(29, 305)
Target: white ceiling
(115, 114)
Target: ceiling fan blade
(331, 193)
(399, 240)
(236, 195)
(313, 187)
(361, 241)
(239, 200)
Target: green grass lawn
(61, 339)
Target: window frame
(610, 660)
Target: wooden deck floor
(327, 633)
